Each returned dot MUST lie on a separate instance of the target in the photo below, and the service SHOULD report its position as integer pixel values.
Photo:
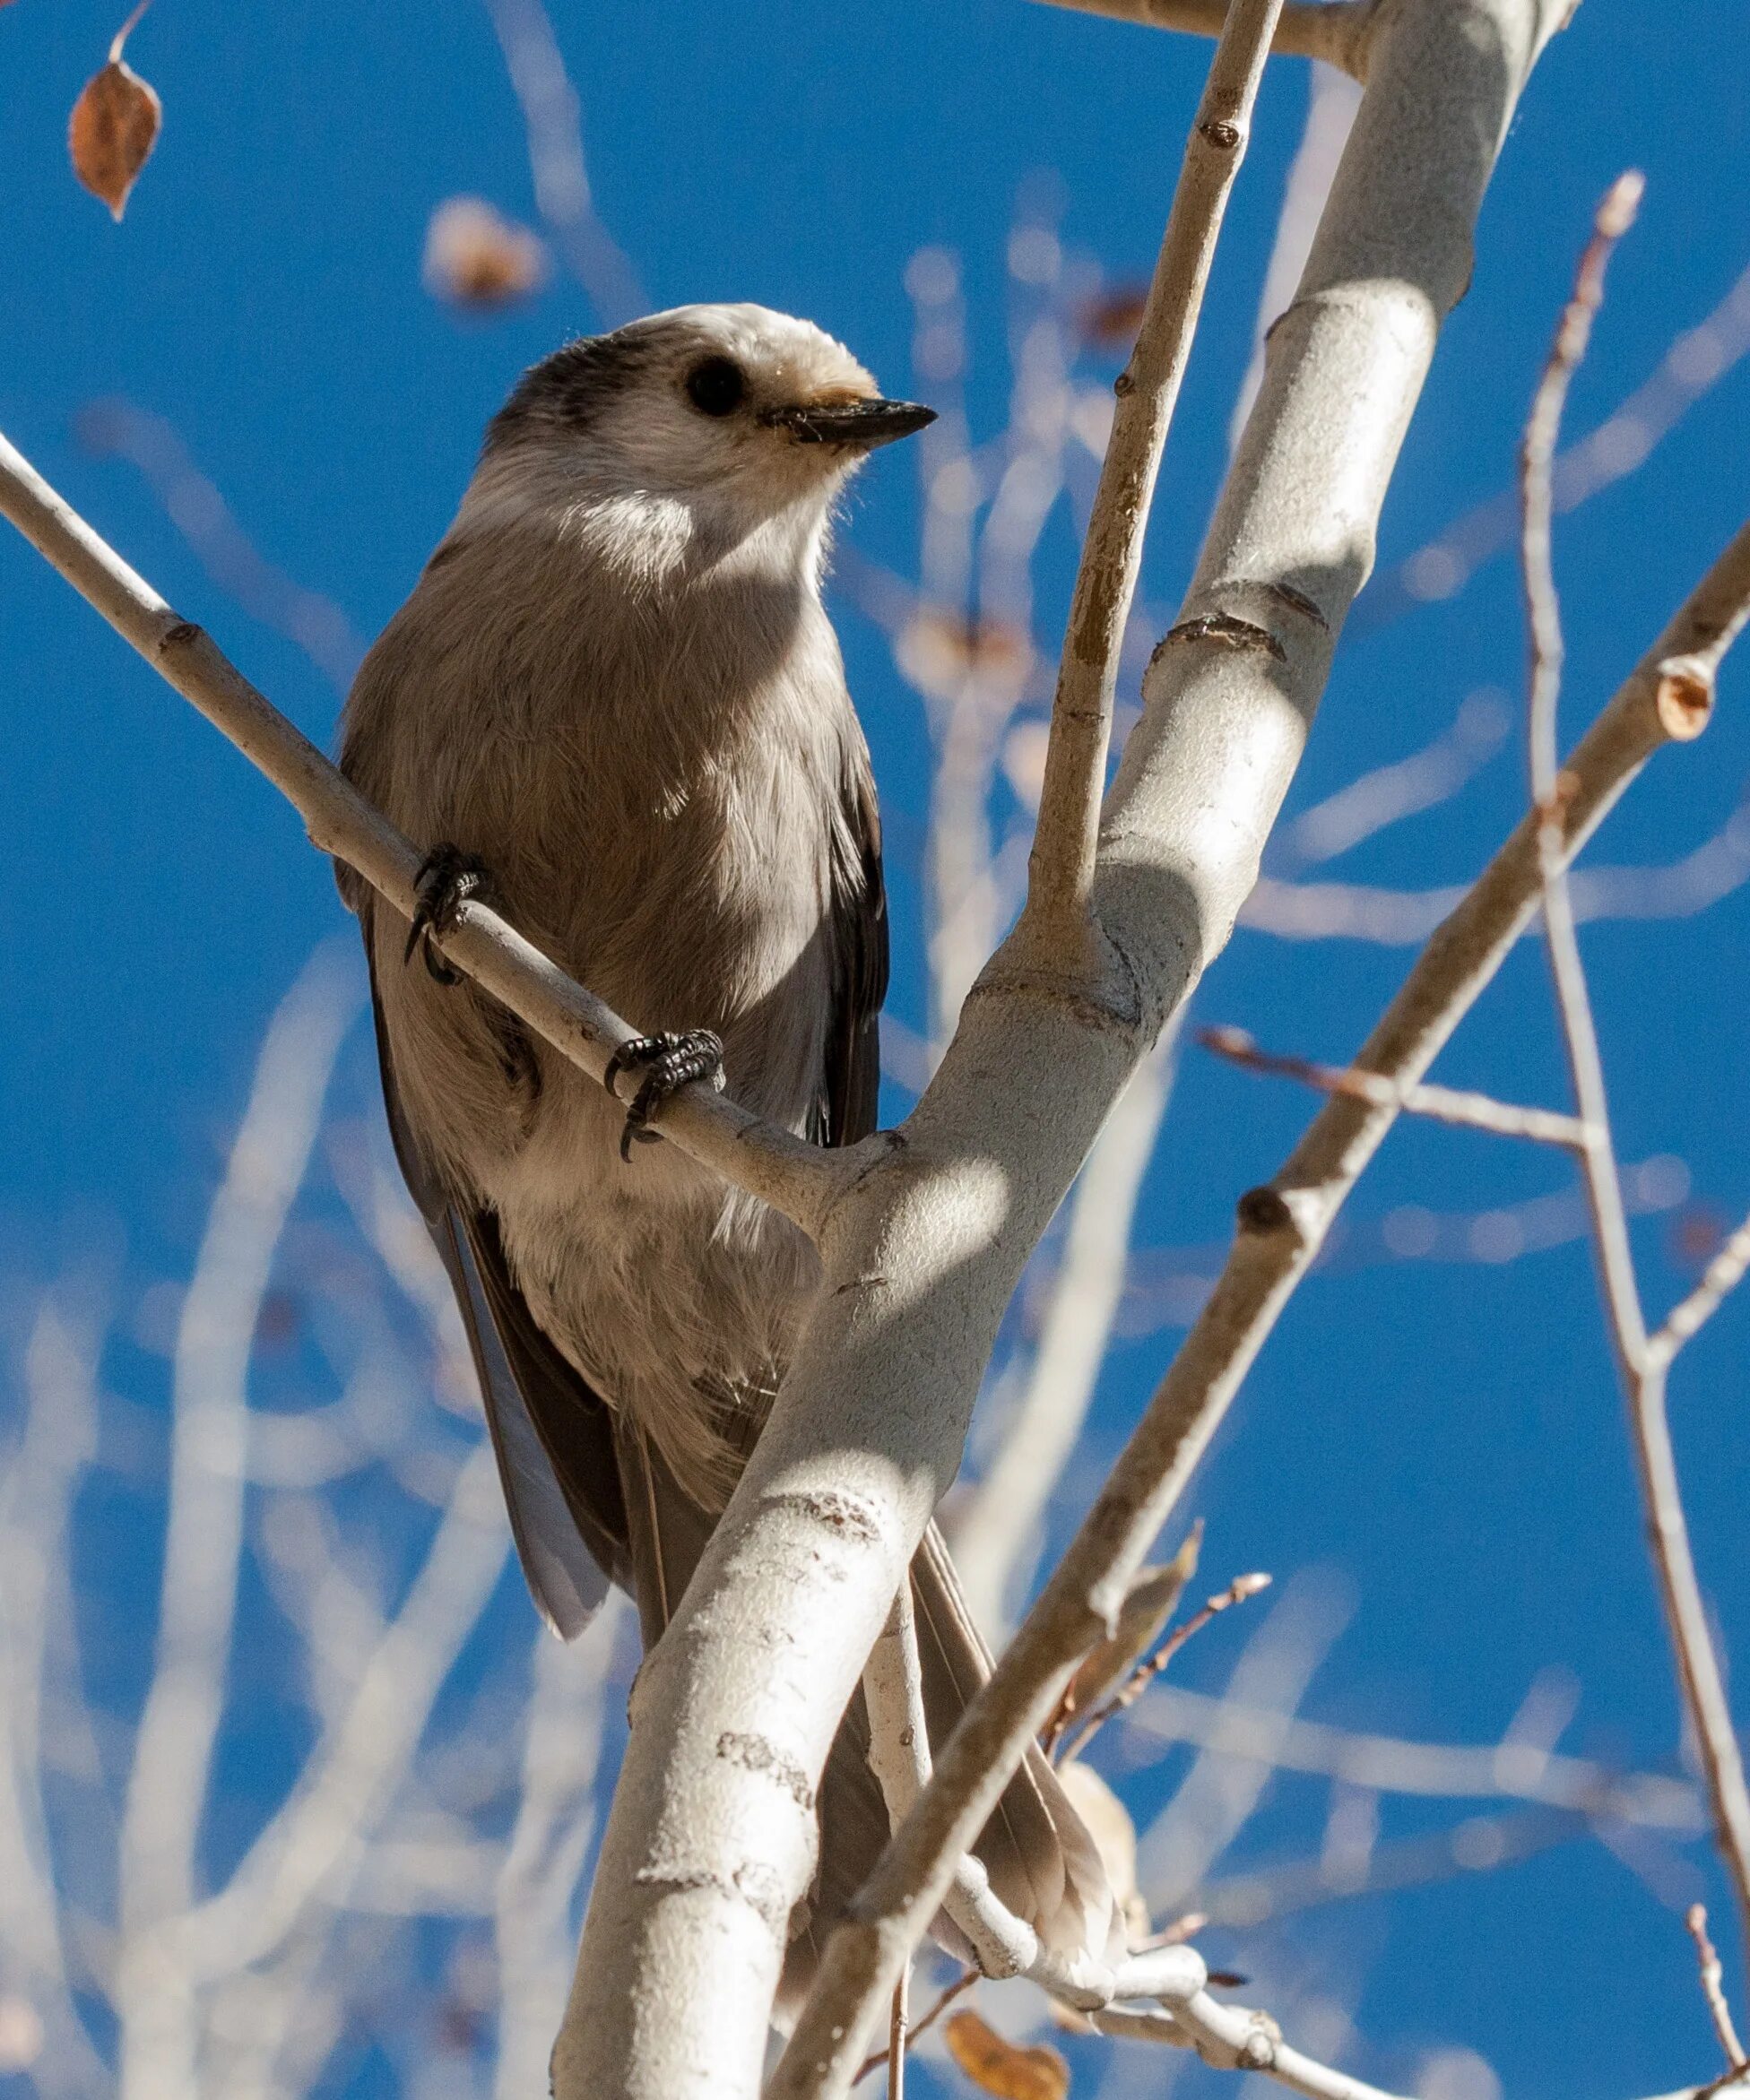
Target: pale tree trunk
(710, 1842)
(923, 1230)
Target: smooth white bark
(710, 1841)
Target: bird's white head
(706, 425)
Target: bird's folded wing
(1041, 1858)
(553, 1436)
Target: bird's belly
(678, 1299)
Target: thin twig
(897, 2038)
(1700, 1679)
(1335, 30)
(554, 124)
(1229, 2037)
(1444, 1104)
(1714, 1987)
(962, 1984)
(1696, 361)
(794, 1177)
(1062, 867)
(1434, 1771)
(1721, 1276)
(1145, 1672)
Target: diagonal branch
(1281, 1230)
(1226, 704)
(1722, 1275)
(1701, 1678)
(1441, 1104)
(1336, 31)
(796, 1177)
(1060, 871)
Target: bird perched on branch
(615, 706)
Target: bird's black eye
(717, 386)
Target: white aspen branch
(38, 1487)
(1713, 1989)
(1697, 361)
(1061, 870)
(1003, 1945)
(544, 1858)
(1388, 1764)
(1401, 788)
(174, 1746)
(1442, 1104)
(313, 1843)
(1229, 2037)
(1701, 1682)
(1333, 99)
(1336, 31)
(796, 1177)
(1282, 1227)
(1227, 703)
(1721, 1276)
(195, 507)
(1001, 1526)
(553, 122)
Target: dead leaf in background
(1112, 318)
(475, 256)
(999, 2067)
(115, 126)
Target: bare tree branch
(1713, 1989)
(1335, 30)
(1697, 360)
(1688, 692)
(1229, 2037)
(795, 1177)
(1721, 1278)
(996, 1536)
(562, 194)
(1389, 1764)
(1281, 565)
(178, 1730)
(1443, 1104)
(1061, 870)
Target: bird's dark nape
(566, 389)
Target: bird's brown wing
(553, 1436)
(857, 929)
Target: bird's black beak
(864, 423)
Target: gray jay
(615, 703)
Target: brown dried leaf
(1112, 318)
(114, 125)
(1000, 2066)
(475, 256)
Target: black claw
(668, 1062)
(447, 879)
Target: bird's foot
(447, 879)
(666, 1063)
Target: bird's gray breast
(655, 787)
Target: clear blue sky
(1447, 1436)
